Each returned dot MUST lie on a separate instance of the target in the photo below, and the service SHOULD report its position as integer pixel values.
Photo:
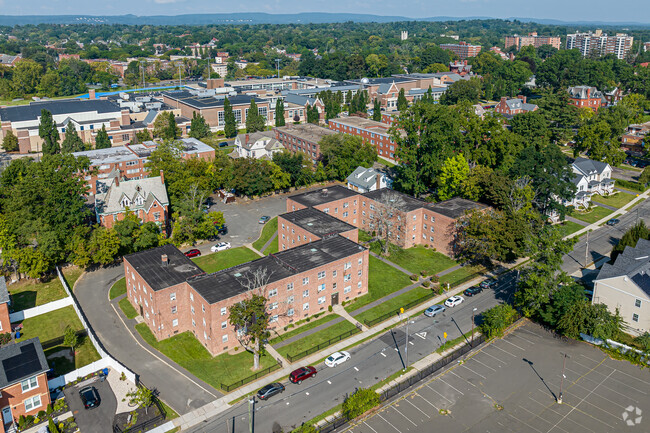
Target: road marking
(524, 423)
(407, 418)
(592, 360)
(329, 382)
(383, 354)
(441, 380)
(503, 350)
(379, 415)
(421, 411)
(604, 386)
(492, 356)
(474, 359)
(411, 343)
(306, 393)
(370, 427)
(465, 365)
(518, 347)
(422, 335)
(636, 379)
(287, 403)
(427, 385)
(356, 369)
(427, 401)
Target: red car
(193, 253)
(297, 376)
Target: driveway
(180, 390)
(98, 420)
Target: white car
(453, 301)
(337, 358)
(220, 247)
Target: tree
(199, 128)
(453, 174)
(254, 121)
(51, 426)
(630, 238)
(342, 154)
(70, 338)
(141, 397)
(296, 165)
(230, 122)
(142, 136)
(10, 142)
(402, 102)
(360, 402)
(279, 112)
(462, 90)
(376, 111)
(643, 341)
(312, 114)
(644, 177)
(171, 131)
(101, 140)
(48, 132)
(72, 142)
(388, 212)
(497, 319)
(104, 245)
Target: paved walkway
(308, 332)
(606, 206)
(274, 353)
(388, 262)
(268, 243)
(577, 221)
(252, 248)
(338, 309)
(449, 270)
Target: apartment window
(237, 115)
(222, 118)
(345, 214)
(348, 289)
(305, 306)
(172, 296)
(431, 238)
(637, 303)
(345, 205)
(205, 335)
(432, 230)
(321, 287)
(193, 323)
(347, 277)
(192, 308)
(321, 300)
(224, 311)
(32, 403)
(28, 384)
(224, 339)
(321, 275)
(305, 281)
(289, 287)
(414, 217)
(175, 322)
(290, 300)
(224, 325)
(333, 286)
(273, 292)
(635, 317)
(174, 309)
(191, 296)
(305, 293)
(360, 261)
(326, 210)
(273, 306)
(334, 274)
(336, 210)
(425, 217)
(359, 272)
(359, 285)
(425, 227)
(203, 308)
(348, 265)
(290, 312)
(273, 319)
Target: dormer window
(126, 202)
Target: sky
(566, 10)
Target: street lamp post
(559, 399)
(406, 345)
(473, 311)
(277, 66)
(251, 414)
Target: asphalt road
(511, 385)
(370, 363)
(99, 419)
(603, 239)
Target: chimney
(117, 181)
(522, 97)
(162, 177)
(91, 94)
(164, 259)
(378, 181)
(246, 139)
(504, 99)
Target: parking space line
(474, 359)
(606, 398)
(525, 339)
(634, 378)
(592, 360)
(465, 365)
(460, 377)
(399, 412)
(370, 427)
(427, 385)
(513, 344)
(503, 350)
(492, 356)
(441, 380)
(539, 417)
(524, 423)
(522, 329)
(600, 409)
(421, 411)
(379, 415)
(427, 401)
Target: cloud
(164, 2)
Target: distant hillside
(258, 18)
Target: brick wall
(14, 397)
(5, 323)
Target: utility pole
(559, 399)
(473, 311)
(587, 249)
(406, 345)
(251, 414)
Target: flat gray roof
(317, 222)
(323, 195)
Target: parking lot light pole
(559, 399)
(406, 345)
(251, 414)
(473, 311)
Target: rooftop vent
(164, 259)
(324, 192)
(237, 274)
(313, 250)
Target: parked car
(222, 229)
(192, 253)
(264, 219)
(90, 397)
(270, 390)
(488, 284)
(473, 291)
(613, 222)
(337, 358)
(220, 246)
(303, 373)
(434, 310)
(453, 301)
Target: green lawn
(386, 162)
(461, 275)
(272, 248)
(302, 328)
(418, 258)
(84, 354)
(186, 350)
(269, 229)
(118, 289)
(71, 275)
(127, 308)
(629, 185)
(225, 259)
(595, 214)
(568, 227)
(364, 236)
(393, 304)
(315, 339)
(617, 200)
(30, 293)
(383, 280)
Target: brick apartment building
(586, 97)
(129, 161)
(600, 43)
(370, 131)
(5, 322)
(414, 222)
(23, 381)
(510, 107)
(309, 224)
(462, 49)
(303, 138)
(533, 39)
(174, 295)
(145, 198)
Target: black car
(270, 390)
(613, 222)
(90, 397)
(473, 291)
(488, 284)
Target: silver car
(433, 310)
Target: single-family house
(368, 179)
(590, 177)
(257, 145)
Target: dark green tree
(199, 128)
(630, 238)
(402, 102)
(230, 122)
(312, 114)
(72, 142)
(101, 140)
(171, 131)
(48, 132)
(376, 111)
(10, 142)
(462, 90)
(254, 121)
(279, 112)
(342, 154)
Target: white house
(257, 145)
(368, 179)
(591, 177)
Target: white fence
(41, 309)
(611, 344)
(106, 362)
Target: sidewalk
(338, 309)
(389, 263)
(266, 245)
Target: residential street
(370, 363)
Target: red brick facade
(17, 399)
(375, 133)
(5, 323)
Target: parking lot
(99, 419)
(511, 385)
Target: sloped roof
(299, 99)
(633, 262)
(364, 177)
(20, 361)
(266, 136)
(580, 92)
(4, 293)
(21, 113)
(150, 189)
(589, 166)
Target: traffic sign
(444, 335)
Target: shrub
(41, 414)
(426, 284)
(423, 273)
(435, 278)
(49, 409)
(5, 338)
(330, 308)
(123, 377)
(360, 402)
(413, 277)
(497, 319)
(305, 428)
(643, 341)
(52, 427)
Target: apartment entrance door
(335, 299)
